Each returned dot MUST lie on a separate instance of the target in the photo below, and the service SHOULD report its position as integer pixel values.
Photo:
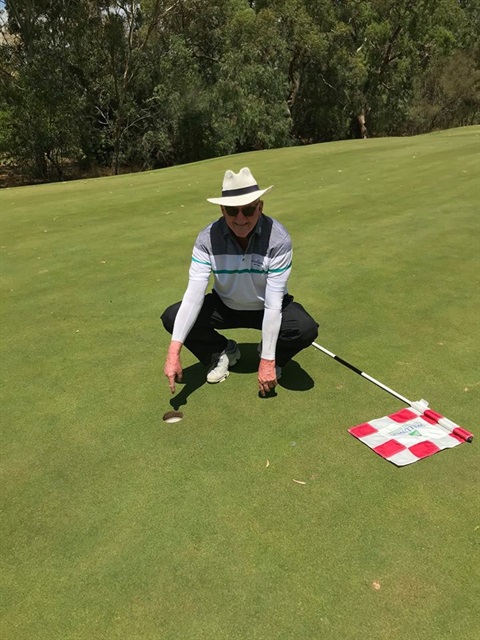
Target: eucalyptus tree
(353, 63)
(43, 101)
(251, 92)
(387, 43)
(125, 30)
(149, 83)
(222, 86)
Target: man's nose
(240, 216)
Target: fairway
(116, 525)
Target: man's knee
(168, 317)
(309, 329)
(298, 326)
(306, 326)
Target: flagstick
(361, 373)
(420, 406)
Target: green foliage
(44, 107)
(249, 96)
(449, 89)
(148, 83)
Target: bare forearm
(174, 348)
(173, 366)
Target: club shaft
(361, 373)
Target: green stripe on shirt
(238, 271)
(280, 270)
(201, 261)
(242, 270)
(252, 270)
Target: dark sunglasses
(247, 211)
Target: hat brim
(240, 201)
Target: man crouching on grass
(250, 256)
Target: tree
(389, 42)
(43, 101)
(125, 31)
(148, 83)
(252, 86)
(446, 95)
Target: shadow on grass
(293, 377)
(193, 379)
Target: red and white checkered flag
(410, 434)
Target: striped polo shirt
(241, 279)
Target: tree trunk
(117, 138)
(41, 170)
(362, 127)
(57, 165)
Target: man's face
(242, 220)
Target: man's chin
(241, 232)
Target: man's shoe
(218, 370)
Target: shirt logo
(257, 263)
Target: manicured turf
(117, 525)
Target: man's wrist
(267, 363)
(175, 347)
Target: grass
(117, 525)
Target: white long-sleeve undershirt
(189, 309)
(192, 303)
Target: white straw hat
(239, 189)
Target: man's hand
(173, 366)
(267, 378)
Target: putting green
(251, 518)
